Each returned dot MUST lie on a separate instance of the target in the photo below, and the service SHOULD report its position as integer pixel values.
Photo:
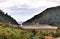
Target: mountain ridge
(7, 18)
(49, 16)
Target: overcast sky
(22, 10)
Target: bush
(41, 34)
(11, 33)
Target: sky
(22, 10)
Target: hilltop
(49, 16)
(5, 18)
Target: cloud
(22, 10)
(2, 1)
(31, 3)
(24, 13)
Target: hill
(6, 18)
(49, 16)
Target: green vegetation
(12, 33)
(41, 35)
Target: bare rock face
(49, 16)
(6, 18)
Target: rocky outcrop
(6, 18)
(49, 16)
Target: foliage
(41, 34)
(11, 33)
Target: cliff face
(49, 16)
(6, 18)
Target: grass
(9, 33)
(12, 33)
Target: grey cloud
(25, 11)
